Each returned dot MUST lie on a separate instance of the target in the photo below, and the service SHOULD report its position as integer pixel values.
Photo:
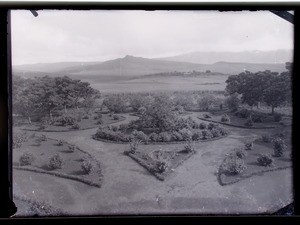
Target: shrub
(249, 122)
(154, 137)
(249, 145)
(114, 128)
(60, 142)
(85, 117)
(212, 125)
(41, 138)
(26, 159)
(243, 113)
(265, 160)
(206, 116)
(197, 136)
(133, 144)
(55, 162)
(160, 166)
(232, 102)
(222, 130)
(76, 126)
(99, 122)
(188, 147)
(225, 118)
(71, 148)
(258, 117)
(19, 139)
(240, 153)
(232, 165)
(279, 147)
(116, 117)
(266, 138)
(215, 132)
(186, 134)
(86, 166)
(140, 135)
(277, 117)
(203, 126)
(206, 134)
(164, 137)
(176, 136)
(65, 120)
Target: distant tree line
(44, 95)
(269, 87)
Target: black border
(7, 206)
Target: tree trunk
(29, 120)
(65, 108)
(50, 114)
(273, 110)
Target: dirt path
(192, 187)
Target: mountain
(277, 56)
(136, 66)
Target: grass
(71, 168)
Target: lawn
(73, 158)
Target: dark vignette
(7, 207)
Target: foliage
(265, 160)
(116, 117)
(99, 122)
(233, 102)
(207, 101)
(277, 117)
(279, 147)
(140, 135)
(188, 147)
(249, 122)
(115, 103)
(60, 142)
(164, 137)
(225, 118)
(133, 144)
(176, 136)
(206, 134)
(26, 159)
(241, 153)
(19, 139)
(154, 137)
(266, 138)
(55, 162)
(65, 120)
(232, 165)
(86, 166)
(186, 134)
(71, 148)
(249, 145)
(197, 135)
(210, 126)
(76, 126)
(243, 113)
(206, 116)
(203, 125)
(215, 132)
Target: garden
(40, 154)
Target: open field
(117, 84)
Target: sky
(68, 35)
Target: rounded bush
(55, 162)
(60, 142)
(203, 126)
(26, 159)
(99, 122)
(19, 139)
(266, 138)
(176, 136)
(206, 134)
(71, 148)
(240, 153)
(154, 137)
(249, 122)
(215, 132)
(186, 134)
(206, 116)
(197, 136)
(225, 118)
(116, 117)
(232, 165)
(249, 145)
(76, 126)
(279, 147)
(86, 166)
(210, 126)
(277, 117)
(265, 160)
(164, 137)
(243, 113)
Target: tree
(64, 89)
(233, 102)
(115, 103)
(278, 91)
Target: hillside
(278, 56)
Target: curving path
(129, 188)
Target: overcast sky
(56, 36)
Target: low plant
(243, 113)
(153, 137)
(186, 134)
(206, 116)
(76, 126)
(232, 165)
(249, 145)
(210, 126)
(60, 142)
(206, 134)
(26, 159)
(85, 117)
(176, 136)
(197, 135)
(19, 139)
(266, 138)
(116, 117)
(188, 147)
(215, 132)
(99, 122)
(160, 166)
(65, 120)
(71, 148)
(133, 145)
(55, 162)
(225, 118)
(86, 166)
(265, 160)
(164, 137)
(249, 122)
(203, 126)
(279, 147)
(277, 117)
(241, 153)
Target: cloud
(68, 35)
